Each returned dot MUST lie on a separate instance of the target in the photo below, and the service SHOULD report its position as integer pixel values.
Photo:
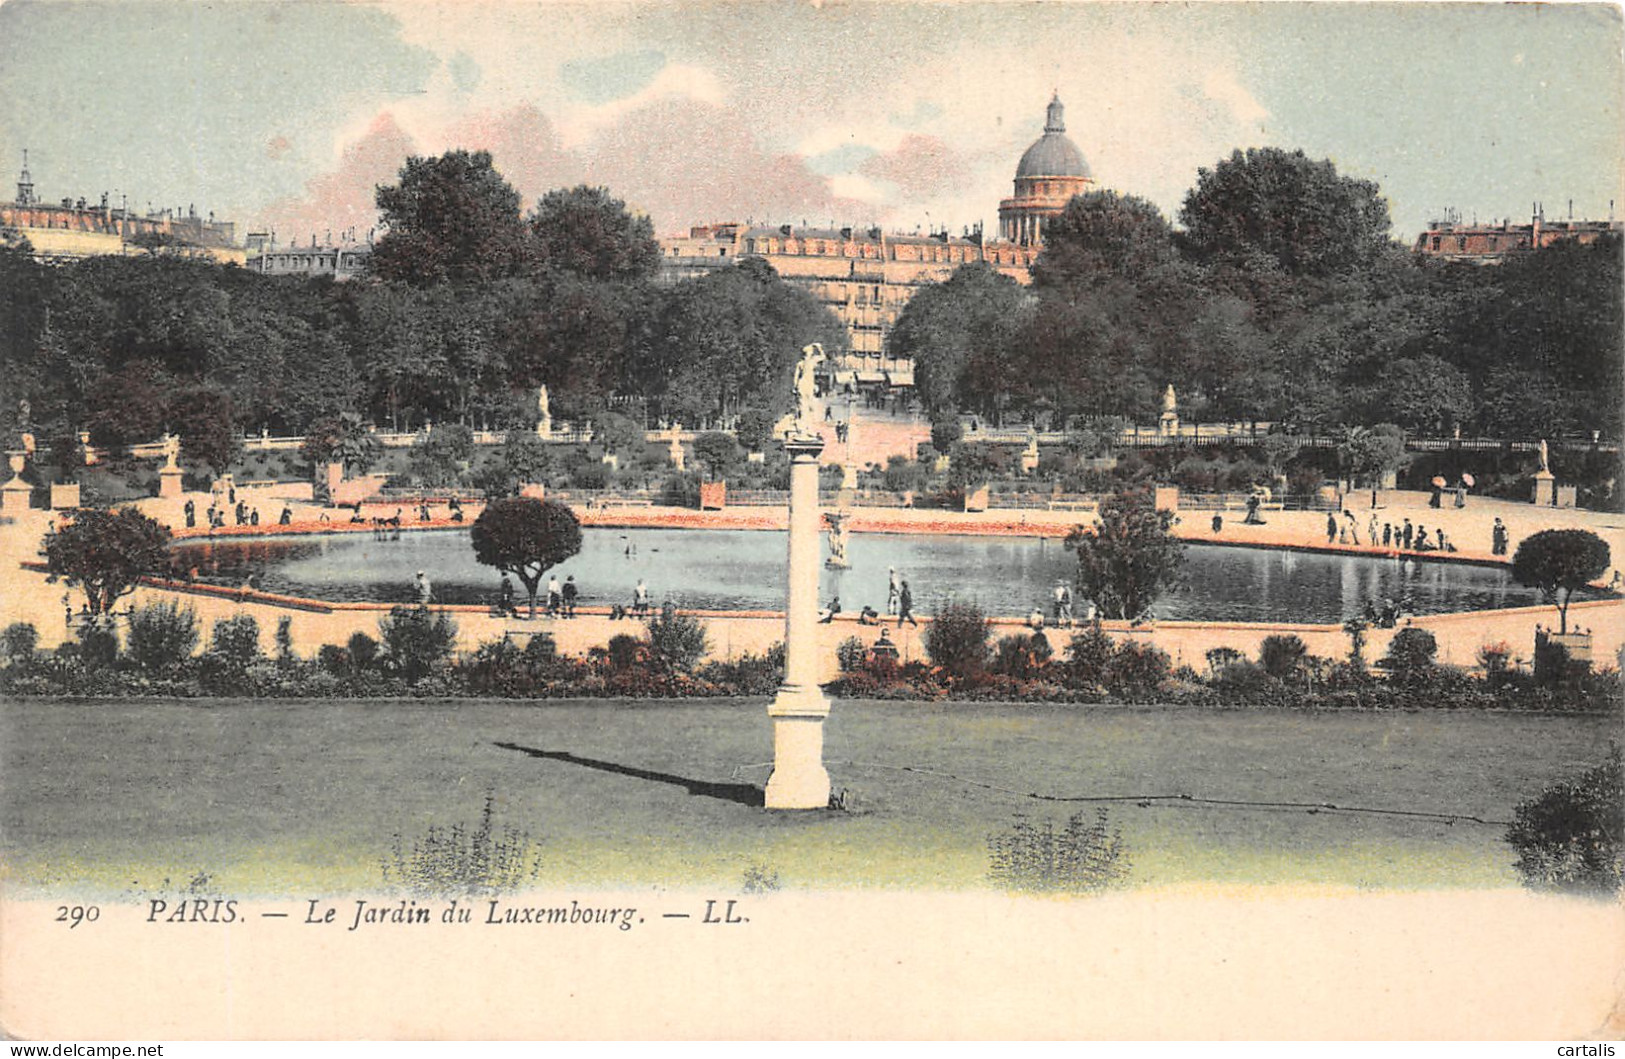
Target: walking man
(893, 590)
(1331, 528)
(905, 606)
(1407, 534)
(569, 596)
(640, 599)
(1498, 537)
(425, 591)
(555, 596)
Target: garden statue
(806, 382)
(172, 451)
(1169, 401)
(544, 414)
(837, 540)
(1545, 457)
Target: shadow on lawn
(741, 793)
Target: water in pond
(744, 570)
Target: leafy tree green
(1270, 209)
(956, 640)
(1129, 557)
(107, 553)
(525, 537)
(1370, 453)
(586, 231)
(450, 219)
(676, 642)
(524, 458)
(416, 641)
(441, 457)
(203, 418)
(718, 453)
(730, 341)
(963, 335)
(342, 439)
(1560, 562)
(162, 635)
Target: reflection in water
(744, 569)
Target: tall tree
(963, 335)
(588, 232)
(525, 537)
(107, 553)
(1127, 559)
(451, 218)
(1270, 209)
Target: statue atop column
(172, 451)
(1545, 457)
(1170, 403)
(544, 414)
(806, 383)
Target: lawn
(279, 798)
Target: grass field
(277, 798)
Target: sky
(286, 114)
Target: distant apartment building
(343, 260)
(78, 228)
(1489, 244)
(865, 276)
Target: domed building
(1050, 173)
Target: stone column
(799, 780)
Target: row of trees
(470, 308)
(1280, 298)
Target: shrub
(1089, 655)
(98, 645)
(852, 653)
(1569, 837)
(1129, 557)
(541, 650)
(681, 490)
(1136, 670)
(624, 652)
(677, 642)
(956, 640)
(1410, 654)
(333, 658)
(416, 641)
(162, 635)
(18, 642)
(1021, 655)
(1221, 658)
(362, 650)
(1282, 656)
(235, 643)
(1081, 858)
(284, 639)
(458, 861)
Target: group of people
(899, 604)
(562, 598)
(1403, 537)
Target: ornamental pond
(732, 570)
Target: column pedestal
(799, 780)
(1545, 488)
(169, 482)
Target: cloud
(342, 197)
(685, 161)
(524, 147)
(922, 168)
